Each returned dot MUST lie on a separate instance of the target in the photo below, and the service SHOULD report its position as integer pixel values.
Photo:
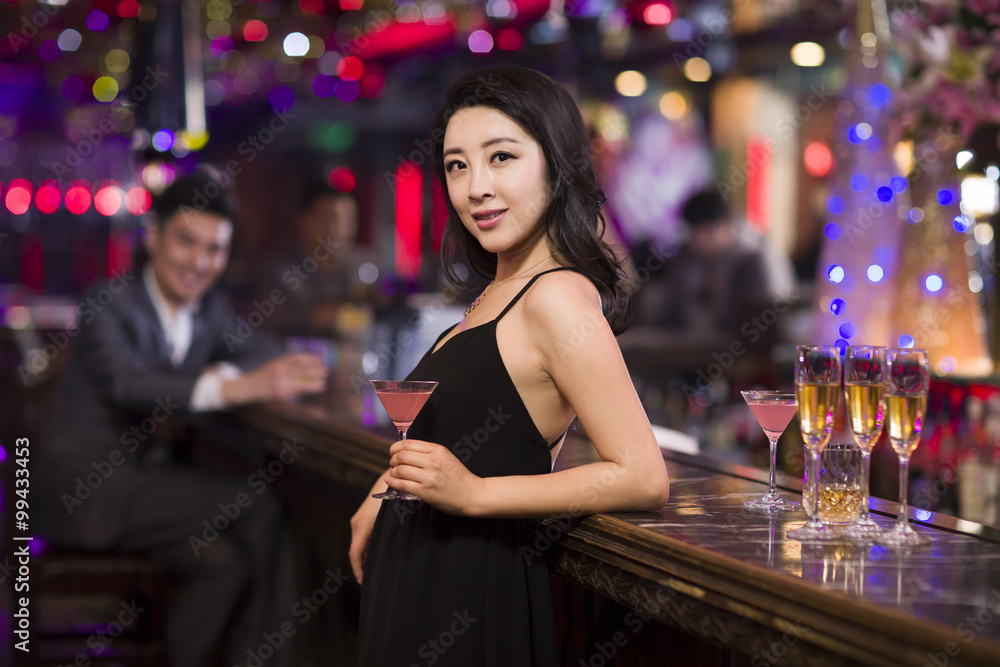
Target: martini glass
(403, 400)
(817, 387)
(773, 411)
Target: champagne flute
(773, 411)
(817, 388)
(906, 405)
(403, 400)
(865, 378)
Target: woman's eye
(503, 157)
(453, 165)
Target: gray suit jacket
(117, 390)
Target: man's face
(330, 221)
(188, 252)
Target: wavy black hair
(572, 222)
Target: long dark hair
(573, 223)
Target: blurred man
(151, 348)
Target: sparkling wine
(817, 405)
(838, 503)
(403, 405)
(905, 420)
(773, 417)
(865, 409)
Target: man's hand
(279, 379)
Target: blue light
(858, 182)
(915, 215)
(884, 194)
(852, 135)
(846, 330)
(897, 183)
(882, 255)
(961, 223)
(874, 144)
(875, 273)
(945, 197)
(841, 345)
(163, 140)
(948, 364)
(879, 95)
(837, 306)
(832, 231)
(922, 515)
(835, 204)
(906, 341)
(836, 273)
(933, 283)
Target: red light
(818, 159)
(509, 40)
(255, 31)
(108, 200)
(47, 197)
(78, 198)
(373, 86)
(18, 197)
(342, 179)
(119, 253)
(351, 5)
(128, 9)
(311, 6)
(758, 183)
(350, 68)
(656, 14)
(409, 189)
(138, 200)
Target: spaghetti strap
(525, 288)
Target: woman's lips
(487, 219)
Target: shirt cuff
(207, 392)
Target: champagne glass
(403, 400)
(773, 411)
(817, 388)
(865, 377)
(906, 405)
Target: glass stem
(902, 521)
(866, 466)
(772, 489)
(815, 455)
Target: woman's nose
(481, 186)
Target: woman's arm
(578, 351)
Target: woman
(456, 579)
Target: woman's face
(497, 178)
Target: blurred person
(535, 351)
(319, 278)
(717, 281)
(152, 348)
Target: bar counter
(712, 570)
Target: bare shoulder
(560, 300)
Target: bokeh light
(480, 41)
(78, 198)
(97, 21)
(108, 200)
(105, 89)
(835, 273)
(48, 197)
(906, 341)
(875, 273)
(18, 197)
(138, 200)
(933, 283)
(837, 306)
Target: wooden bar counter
(704, 568)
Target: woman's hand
(433, 474)
(362, 524)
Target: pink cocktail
(773, 411)
(403, 400)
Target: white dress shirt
(177, 326)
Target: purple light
(858, 182)
(841, 345)
(884, 194)
(879, 95)
(97, 21)
(480, 41)
(73, 88)
(945, 197)
(281, 98)
(961, 223)
(324, 85)
(846, 330)
(837, 306)
(222, 45)
(897, 183)
(348, 90)
(832, 231)
(836, 205)
(49, 50)
(882, 255)
(3, 454)
(852, 134)
(906, 340)
(163, 140)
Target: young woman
(456, 579)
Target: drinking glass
(403, 400)
(839, 485)
(817, 388)
(906, 405)
(865, 377)
(773, 410)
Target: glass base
(817, 532)
(770, 503)
(865, 529)
(902, 536)
(394, 494)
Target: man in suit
(150, 348)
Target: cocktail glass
(817, 389)
(773, 411)
(906, 405)
(865, 377)
(403, 400)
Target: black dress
(445, 590)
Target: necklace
(495, 285)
